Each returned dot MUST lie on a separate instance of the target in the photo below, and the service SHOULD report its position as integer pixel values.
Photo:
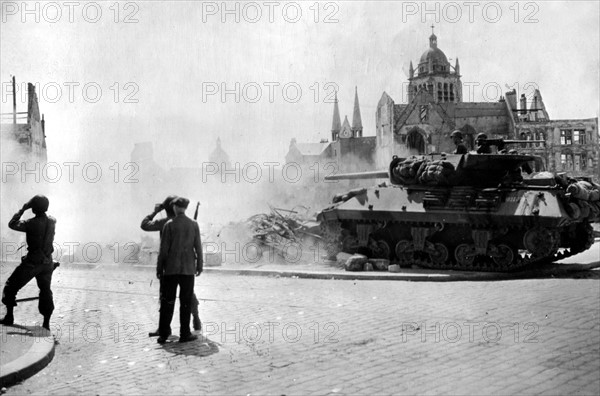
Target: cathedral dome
(434, 55)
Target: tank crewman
(482, 148)
(149, 224)
(179, 259)
(457, 139)
(38, 263)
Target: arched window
(451, 92)
(415, 141)
(446, 92)
(439, 92)
(523, 136)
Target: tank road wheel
(404, 252)
(503, 256)
(464, 255)
(540, 241)
(350, 244)
(381, 249)
(439, 255)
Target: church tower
(357, 128)
(435, 75)
(336, 125)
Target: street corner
(24, 351)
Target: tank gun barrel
(359, 175)
(500, 143)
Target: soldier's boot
(9, 319)
(46, 324)
(154, 333)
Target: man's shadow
(201, 347)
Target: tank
(474, 212)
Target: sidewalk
(23, 352)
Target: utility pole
(14, 100)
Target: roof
(311, 148)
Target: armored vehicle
(484, 212)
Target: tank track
(580, 242)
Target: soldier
(38, 263)
(482, 147)
(179, 259)
(149, 224)
(457, 138)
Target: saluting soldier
(38, 263)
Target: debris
(394, 268)
(282, 227)
(356, 262)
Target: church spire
(357, 127)
(432, 39)
(457, 67)
(336, 125)
(411, 71)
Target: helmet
(481, 136)
(457, 134)
(39, 204)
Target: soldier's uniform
(39, 233)
(482, 148)
(457, 139)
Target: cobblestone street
(304, 336)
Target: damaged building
(26, 129)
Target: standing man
(457, 139)
(149, 224)
(38, 263)
(179, 259)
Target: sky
(180, 74)
(113, 74)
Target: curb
(407, 274)
(414, 275)
(31, 362)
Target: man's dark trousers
(169, 285)
(25, 272)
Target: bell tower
(435, 75)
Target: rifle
(196, 212)
(500, 143)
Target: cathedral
(435, 108)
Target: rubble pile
(282, 227)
